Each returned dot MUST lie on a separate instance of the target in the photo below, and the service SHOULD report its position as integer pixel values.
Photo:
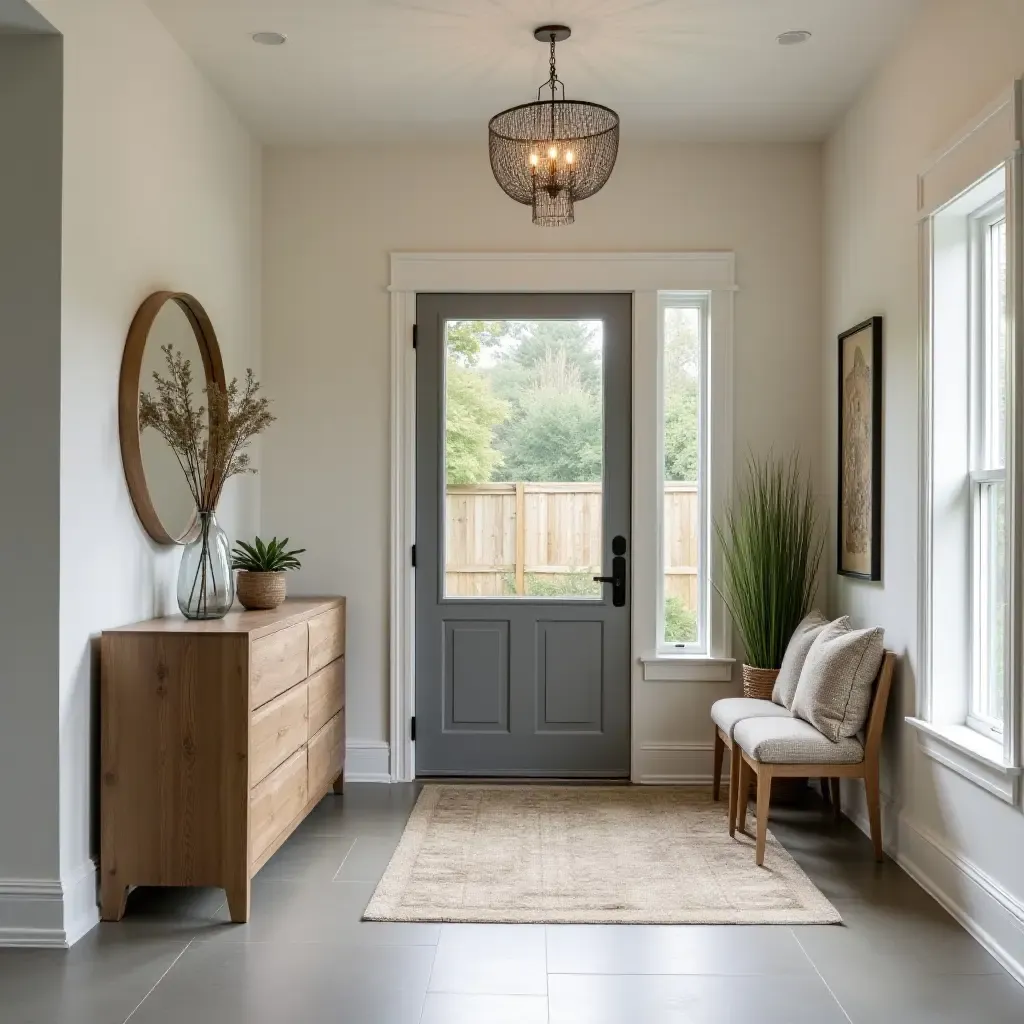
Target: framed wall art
(859, 527)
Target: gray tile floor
(306, 957)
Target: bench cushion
(725, 713)
(796, 654)
(791, 741)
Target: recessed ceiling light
(269, 38)
(793, 38)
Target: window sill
(971, 755)
(686, 668)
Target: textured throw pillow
(793, 660)
(834, 692)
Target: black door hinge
(412, 729)
(414, 556)
(415, 335)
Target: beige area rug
(587, 855)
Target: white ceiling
(367, 70)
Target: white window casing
(967, 188)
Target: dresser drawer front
(277, 801)
(327, 754)
(326, 694)
(326, 638)
(278, 662)
(278, 729)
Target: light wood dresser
(218, 738)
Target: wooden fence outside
(518, 538)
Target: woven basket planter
(261, 591)
(759, 682)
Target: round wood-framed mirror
(155, 480)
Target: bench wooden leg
(871, 789)
(716, 774)
(743, 793)
(764, 797)
(735, 772)
(837, 802)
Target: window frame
(983, 162)
(983, 471)
(700, 301)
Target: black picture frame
(859, 515)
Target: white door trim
(643, 274)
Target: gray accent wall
(31, 102)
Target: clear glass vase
(206, 584)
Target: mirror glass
(168, 488)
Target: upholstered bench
(727, 713)
(777, 747)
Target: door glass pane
(524, 458)
(681, 439)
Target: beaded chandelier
(554, 152)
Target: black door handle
(618, 576)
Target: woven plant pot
(759, 682)
(261, 591)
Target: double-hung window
(987, 305)
(969, 683)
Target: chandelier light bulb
(569, 157)
(533, 159)
(552, 153)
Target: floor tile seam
(430, 978)
(682, 974)
(156, 984)
(348, 853)
(314, 942)
(828, 987)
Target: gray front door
(523, 497)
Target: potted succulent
(261, 568)
(771, 542)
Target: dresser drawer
(326, 694)
(326, 638)
(277, 663)
(278, 729)
(327, 754)
(277, 800)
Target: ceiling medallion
(554, 152)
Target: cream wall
(960, 55)
(161, 190)
(331, 218)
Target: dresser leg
(339, 784)
(113, 897)
(238, 901)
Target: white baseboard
(989, 913)
(680, 780)
(81, 903)
(985, 909)
(663, 763)
(42, 912)
(367, 761)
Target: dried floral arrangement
(210, 446)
